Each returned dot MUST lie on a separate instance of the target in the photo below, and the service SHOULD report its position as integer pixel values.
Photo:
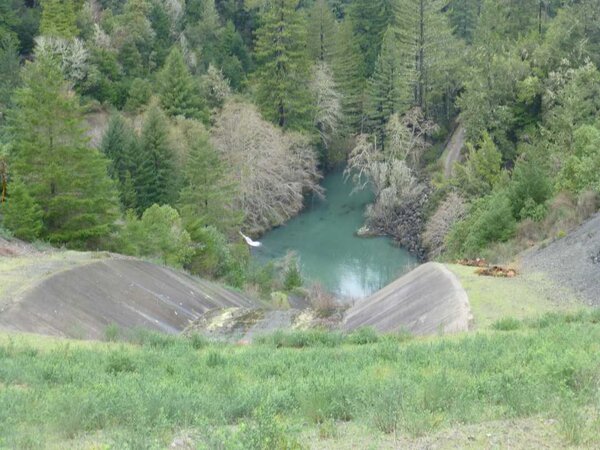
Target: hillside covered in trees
(223, 115)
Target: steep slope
(82, 300)
(424, 301)
(573, 261)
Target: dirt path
(453, 150)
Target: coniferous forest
(161, 128)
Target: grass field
(538, 378)
(524, 296)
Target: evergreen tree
(207, 196)
(51, 156)
(463, 16)
(387, 89)
(233, 56)
(58, 19)
(179, 92)
(321, 31)
(349, 75)
(118, 144)
(283, 73)
(425, 46)
(370, 19)
(9, 72)
(155, 172)
(22, 215)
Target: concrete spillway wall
(427, 300)
(82, 301)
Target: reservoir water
(323, 237)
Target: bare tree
(450, 211)
(70, 54)
(328, 108)
(406, 136)
(273, 169)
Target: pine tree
(387, 90)
(9, 72)
(58, 19)
(370, 19)
(207, 196)
(463, 16)
(283, 73)
(51, 156)
(178, 91)
(321, 31)
(425, 42)
(155, 173)
(22, 215)
(118, 144)
(349, 75)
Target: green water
(330, 253)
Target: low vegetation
(153, 390)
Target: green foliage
(9, 72)
(140, 394)
(159, 234)
(480, 172)
(118, 144)
(321, 31)
(292, 278)
(529, 189)
(154, 176)
(58, 18)
(387, 89)
(22, 215)
(362, 336)
(283, 73)
(179, 93)
(581, 169)
(506, 324)
(349, 73)
(370, 20)
(490, 219)
(214, 257)
(50, 156)
(207, 196)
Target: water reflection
(330, 253)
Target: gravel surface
(572, 262)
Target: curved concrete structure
(82, 301)
(427, 300)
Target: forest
(161, 128)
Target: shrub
(587, 204)
(364, 335)
(506, 324)
(111, 333)
(490, 219)
(528, 190)
(118, 362)
(322, 301)
(448, 213)
(158, 234)
(292, 278)
(300, 339)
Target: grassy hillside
(539, 378)
(527, 295)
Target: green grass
(61, 394)
(492, 299)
